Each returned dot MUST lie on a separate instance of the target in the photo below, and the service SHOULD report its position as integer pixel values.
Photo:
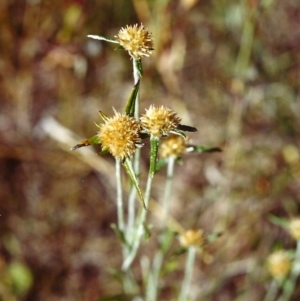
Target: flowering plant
(123, 135)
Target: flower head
(279, 264)
(192, 238)
(160, 121)
(136, 40)
(172, 145)
(120, 135)
(294, 228)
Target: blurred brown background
(229, 68)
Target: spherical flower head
(192, 238)
(136, 40)
(279, 264)
(160, 121)
(294, 228)
(172, 146)
(120, 136)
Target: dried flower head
(172, 145)
(159, 121)
(120, 135)
(192, 238)
(279, 264)
(294, 228)
(136, 40)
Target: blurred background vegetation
(229, 68)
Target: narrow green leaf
(91, 141)
(119, 233)
(128, 167)
(279, 221)
(103, 116)
(130, 106)
(160, 164)
(119, 47)
(166, 240)
(179, 133)
(147, 231)
(170, 266)
(179, 251)
(153, 155)
(21, 277)
(186, 128)
(212, 237)
(205, 149)
(139, 67)
(104, 152)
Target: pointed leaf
(205, 149)
(170, 266)
(147, 231)
(139, 67)
(179, 251)
(104, 152)
(186, 128)
(179, 161)
(279, 221)
(103, 116)
(119, 47)
(130, 106)
(95, 37)
(160, 164)
(119, 233)
(128, 167)
(153, 155)
(179, 133)
(212, 237)
(91, 141)
(166, 240)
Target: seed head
(279, 264)
(192, 238)
(159, 121)
(172, 145)
(136, 40)
(120, 135)
(294, 228)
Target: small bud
(159, 122)
(279, 264)
(192, 238)
(294, 228)
(172, 145)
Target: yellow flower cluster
(136, 40)
(160, 121)
(192, 238)
(173, 145)
(120, 135)
(279, 264)
(294, 228)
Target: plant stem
(140, 228)
(153, 278)
(272, 291)
(136, 159)
(185, 288)
(120, 209)
(289, 285)
(168, 189)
